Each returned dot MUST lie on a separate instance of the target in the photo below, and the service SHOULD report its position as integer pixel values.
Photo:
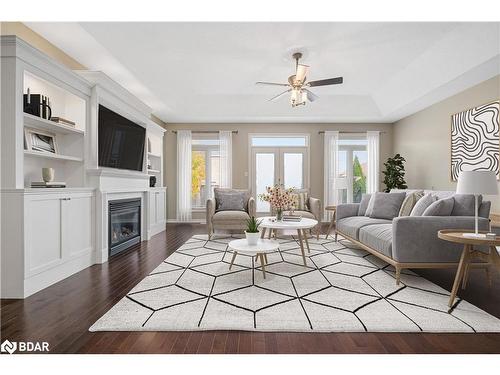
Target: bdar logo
(8, 347)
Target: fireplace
(124, 224)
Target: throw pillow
(363, 205)
(409, 202)
(465, 204)
(369, 208)
(422, 204)
(442, 207)
(302, 199)
(231, 199)
(386, 205)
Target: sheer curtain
(226, 158)
(373, 150)
(331, 149)
(184, 175)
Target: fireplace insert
(124, 226)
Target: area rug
(342, 289)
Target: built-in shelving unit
(35, 122)
(65, 102)
(48, 155)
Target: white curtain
(373, 150)
(331, 149)
(184, 175)
(226, 158)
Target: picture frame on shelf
(40, 141)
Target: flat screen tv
(121, 141)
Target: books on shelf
(292, 217)
(63, 121)
(43, 184)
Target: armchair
(313, 210)
(230, 220)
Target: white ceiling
(206, 72)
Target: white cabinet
(157, 210)
(57, 239)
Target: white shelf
(154, 171)
(154, 155)
(48, 155)
(43, 124)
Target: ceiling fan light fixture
(298, 97)
(301, 73)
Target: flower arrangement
(280, 199)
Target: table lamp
(477, 182)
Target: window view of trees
(359, 180)
(198, 175)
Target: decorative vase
(48, 174)
(279, 214)
(252, 238)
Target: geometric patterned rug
(342, 289)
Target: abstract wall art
(475, 142)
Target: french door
(272, 165)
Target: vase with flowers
(280, 199)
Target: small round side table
(260, 250)
(468, 252)
(332, 222)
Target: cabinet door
(43, 233)
(160, 206)
(77, 225)
(152, 208)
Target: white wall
(424, 138)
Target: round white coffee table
(270, 223)
(260, 250)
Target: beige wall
(37, 41)
(424, 138)
(240, 151)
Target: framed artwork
(475, 141)
(36, 140)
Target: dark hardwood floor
(62, 314)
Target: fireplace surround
(124, 224)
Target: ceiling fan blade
(310, 95)
(272, 84)
(279, 95)
(301, 72)
(325, 82)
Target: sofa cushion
(231, 199)
(351, 225)
(442, 207)
(230, 217)
(386, 205)
(440, 194)
(409, 202)
(422, 204)
(369, 207)
(302, 199)
(378, 237)
(363, 205)
(465, 204)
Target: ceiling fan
(298, 86)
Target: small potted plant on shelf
(252, 233)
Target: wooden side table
(468, 253)
(332, 222)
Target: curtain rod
(347, 132)
(207, 131)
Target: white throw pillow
(422, 204)
(409, 202)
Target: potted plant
(279, 198)
(394, 173)
(252, 233)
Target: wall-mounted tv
(121, 141)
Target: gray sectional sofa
(409, 241)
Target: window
(205, 172)
(352, 168)
(279, 140)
